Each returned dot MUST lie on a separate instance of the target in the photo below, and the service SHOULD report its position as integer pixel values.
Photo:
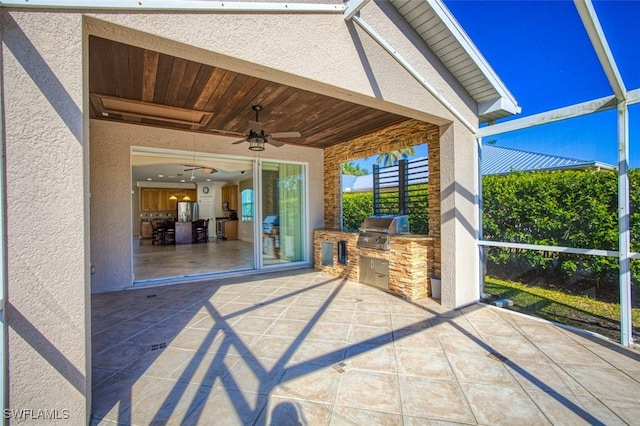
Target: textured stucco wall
(459, 252)
(111, 189)
(44, 141)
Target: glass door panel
(283, 213)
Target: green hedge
(357, 206)
(558, 208)
(570, 208)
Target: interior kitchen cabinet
(146, 229)
(231, 229)
(230, 196)
(149, 199)
(157, 199)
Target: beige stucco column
(47, 303)
(458, 174)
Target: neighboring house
(84, 88)
(496, 160)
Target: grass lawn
(578, 311)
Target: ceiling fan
(257, 136)
(205, 169)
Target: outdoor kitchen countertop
(347, 231)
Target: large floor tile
(568, 409)
(434, 399)
(381, 359)
(343, 416)
(369, 391)
(167, 403)
(605, 383)
(430, 364)
(309, 383)
(226, 407)
(502, 405)
(286, 411)
(480, 369)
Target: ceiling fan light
(256, 144)
(207, 170)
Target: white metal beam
(624, 230)
(414, 73)
(178, 5)
(353, 7)
(577, 110)
(598, 40)
(557, 249)
(547, 117)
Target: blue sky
(543, 54)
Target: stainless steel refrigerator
(187, 211)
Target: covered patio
(306, 347)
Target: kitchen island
(184, 232)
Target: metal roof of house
(496, 160)
(435, 24)
(500, 160)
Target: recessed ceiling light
(181, 180)
(149, 179)
(105, 114)
(208, 180)
(160, 175)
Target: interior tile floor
(304, 347)
(175, 260)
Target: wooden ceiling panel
(145, 77)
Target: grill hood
(386, 224)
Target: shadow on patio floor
(304, 347)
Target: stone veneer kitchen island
(411, 260)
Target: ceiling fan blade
(274, 142)
(255, 126)
(194, 168)
(237, 142)
(285, 135)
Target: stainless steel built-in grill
(376, 231)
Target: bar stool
(157, 235)
(169, 232)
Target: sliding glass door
(283, 213)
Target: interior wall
(111, 252)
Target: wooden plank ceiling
(170, 92)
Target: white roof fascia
(508, 102)
(414, 73)
(598, 40)
(487, 107)
(181, 5)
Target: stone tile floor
(304, 347)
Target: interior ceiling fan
(257, 136)
(205, 169)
